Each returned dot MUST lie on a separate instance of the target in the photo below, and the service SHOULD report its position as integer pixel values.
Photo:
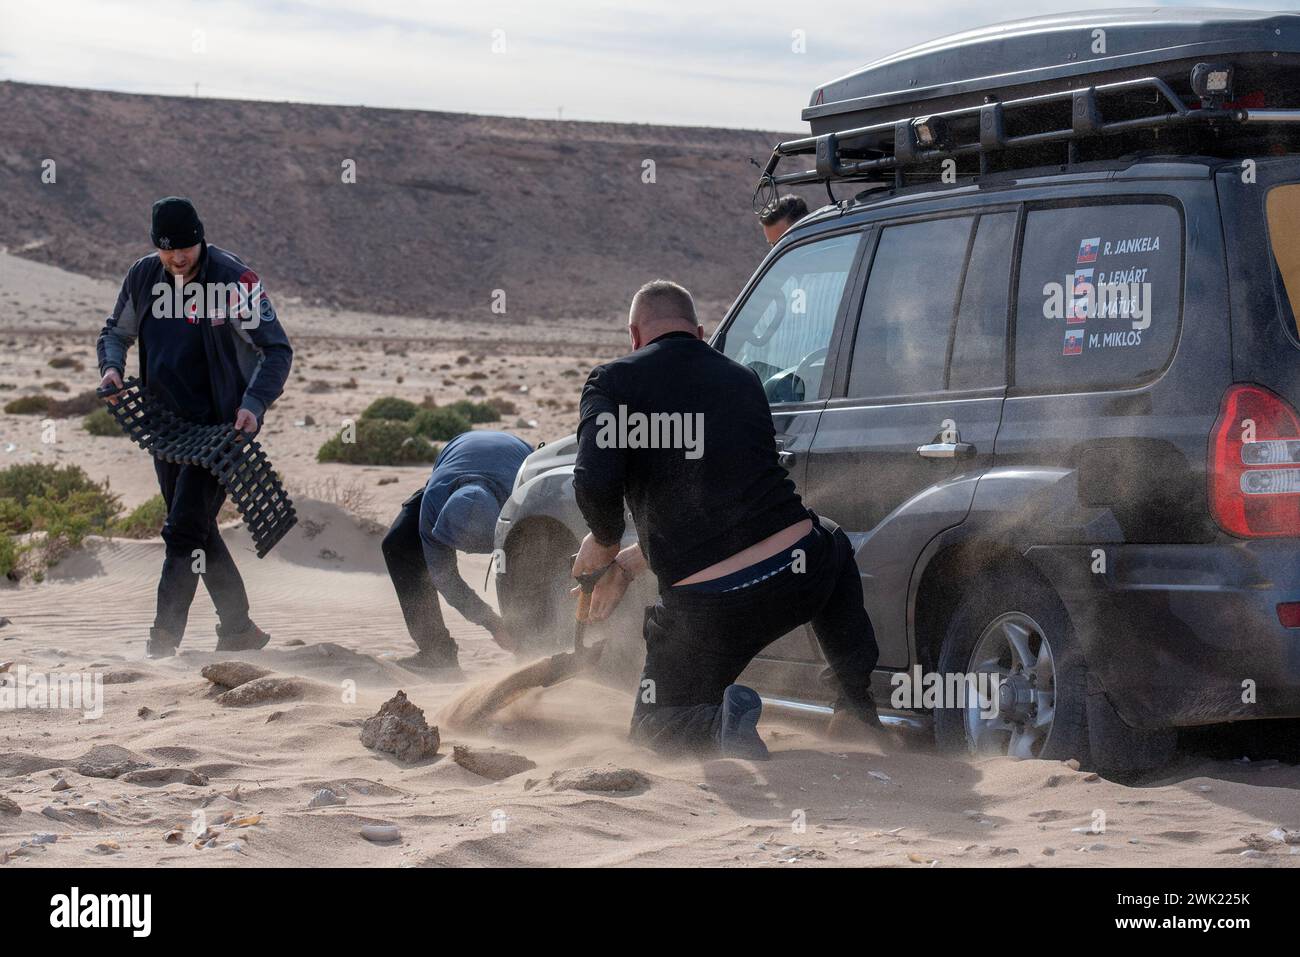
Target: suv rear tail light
(1255, 465)
(1288, 613)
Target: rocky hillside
(445, 208)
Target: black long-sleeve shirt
(715, 490)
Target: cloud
(698, 62)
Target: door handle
(946, 450)
(786, 459)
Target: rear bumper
(1180, 635)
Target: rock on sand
(400, 729)
(494, 763)
(232, 674)
(608, 778)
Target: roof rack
(865, 154)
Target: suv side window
(1100, 297)
(906, 321)
(783, 331)
(979, 347)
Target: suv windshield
(783, 331)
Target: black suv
(1049, 391)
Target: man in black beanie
(211, 348)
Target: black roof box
(1052, 54)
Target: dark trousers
(404, 555)
(697, 643)
(193, 497)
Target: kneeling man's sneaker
(250, 639)
(738, 727)
(161, 644)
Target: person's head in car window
(780, 214)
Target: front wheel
(1031, 704)
(534, 592)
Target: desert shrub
(100, 422)
(80, 404)
(502, 406)
(441, 424)
(390, 407)
(62, 502)
(8, 556)
(144, 521)
(476, 412)
(378, 442)
(30, 405)
(65, 362)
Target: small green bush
(144, 521)
(378, 442)
(81, 404)
(441, 424)
(390, 407)
(476, 412)
(8, 556)
(31, 405)
(65, 362)
(63, 502)
(100, 422)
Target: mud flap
(1115, 746)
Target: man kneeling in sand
(740, 561)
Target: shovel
(480, 703)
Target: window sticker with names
(1099, 295)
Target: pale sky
(695, 62)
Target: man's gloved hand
(111, 378)
(246, 422)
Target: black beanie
(176, 224)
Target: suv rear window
(1284, 236)
(1100, 295)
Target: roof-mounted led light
(1212, 83)
(931, 131)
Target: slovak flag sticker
(1073, 343)
(1088, 250)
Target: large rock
(109, 761)
(493, 763)
(400, 729)
(156, 777)
(232, 674)
(266, 690)
(608, 778)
